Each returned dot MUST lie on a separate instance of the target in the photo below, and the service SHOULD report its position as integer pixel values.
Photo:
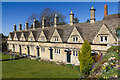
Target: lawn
(26, 68)
(5, 56)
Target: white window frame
(56, 39)
(75, 39)
(75, 53)
(104, 41)
(57, 51)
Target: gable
(104, 32)
(75, 33)
(56, 35)
(9, 37)
(22, 38)
(15, 37)
(42, 37)
(31, 37)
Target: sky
(19, 12)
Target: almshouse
(62, 42)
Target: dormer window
(21, 38)
(31, 39)
(42, 38)
(103, 39)
(15, 38)
(75, 39)
(56, 39)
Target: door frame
(51, 53)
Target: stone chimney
(14, 27)
(43, 23)
(26, 25)
(71, 18)
(20, 26)
(55, 20)
(34, 24)
(105, 10)
(92, 14)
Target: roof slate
(87, 30)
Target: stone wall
(45, 55)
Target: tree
(36, 25)
(31, 19)
(76, 20)
(49, 15)
(88, 20)
(85, 58)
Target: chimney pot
(105, 10)
(92, 14)
(20, 26)
(43, 23)
(55, 20)
(71, 18)
(26, 25)
(14, 27)
(34, 24)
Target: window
(21, 38)
(101, 39)
(15, 38)
(23, 47)
(42, 49)
(75, 53)
(32, 47)
(75, 39)
(42, 38)
(57, 51)
(104, 39)
(56, 39)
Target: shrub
(114, 49)
(85, 58)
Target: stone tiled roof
(46, 32)
(113, 16)
(26, 34)
(18, 35)
(12, 34)
(87, 30)
(60, 31)
(35, 34)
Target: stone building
(62, 42)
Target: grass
(6, 56)
(26, 68)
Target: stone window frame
(42, 49)
(75, 53)
(57, 51)
(22, 38)
(104, 41)
(42, 38)
(75, 39)
(56, 39)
